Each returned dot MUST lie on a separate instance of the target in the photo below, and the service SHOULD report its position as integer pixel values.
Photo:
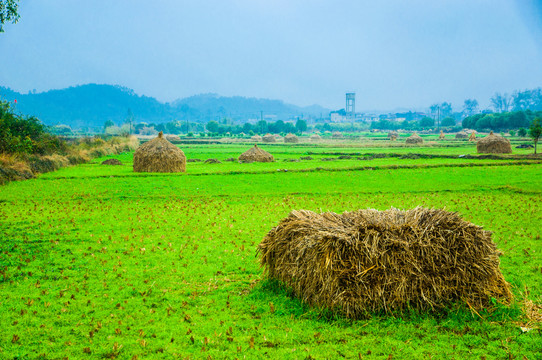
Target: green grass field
(99, 262)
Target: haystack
(291, 138)
(315, 137)
(268, 138)
(493, 144)
(337, 135)
(472, 136)
(256, 138)
(462, 135)
(393, 134)
(173, 138)
(159, 155)
(441, 136)
(414, 139)
(111, 162)
(369, 261)
(256, 154)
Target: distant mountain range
(92, 104)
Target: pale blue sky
(392, 53)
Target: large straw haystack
(291, 138)
(269, 138)
(256, 154)
(472, 136)
(493, 144)
(414, 139)
(315, 137)
(337, 135)
(462, 135)
(441, 136)
(368, 260)
(256, 138)
(393, 134)
(159, 155)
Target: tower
(350, 108)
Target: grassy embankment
(100, 262)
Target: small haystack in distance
(315, 137)
(441, 136)
(367, 260)
(462, 135)
(472, 136)
(256, 154)
(268, 138)
(111, 162)
(393, 134)
(256, 138)
(173, 138)
(159, 155)
(414, 139)
(337, 135)
(493, 144)
(291, 138)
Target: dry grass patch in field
(414, 139)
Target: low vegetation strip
(15, 167)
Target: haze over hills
(91, 105)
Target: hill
(92, 104)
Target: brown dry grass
(256, 154)
(493, 144)
(414, 139)
(368, 260)
(160, 156)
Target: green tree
(448, 121)
(107, 124)
(427, 122)
(212, 126)
(301, 125)
(522, 132)
(470, 107)
(535, 131)
(8, 12)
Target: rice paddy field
(100, 262)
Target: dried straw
(441, 136)
(462, 135)
(493, 144)
(336, 135)
(291, 138)
(269, 138)
(256, 154)
(368, 260)
(414, 139)
(472, 136)
(256, 138)
(315, 137)
(159, 155)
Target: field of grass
(99, 262)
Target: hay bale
(462, 135)
(291, 138)
(441, 136)
(493, 144)
(315, 138)
(159, 155)
(368, 260)
(111, 162)
(393, 134)
(414, 139)
(336, 135)
(256, 138)
(256, 154)
(472, 136)
(212, 161)
(268, 138)
(173, 138)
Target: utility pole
(438, 118)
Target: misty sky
(392, 53)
